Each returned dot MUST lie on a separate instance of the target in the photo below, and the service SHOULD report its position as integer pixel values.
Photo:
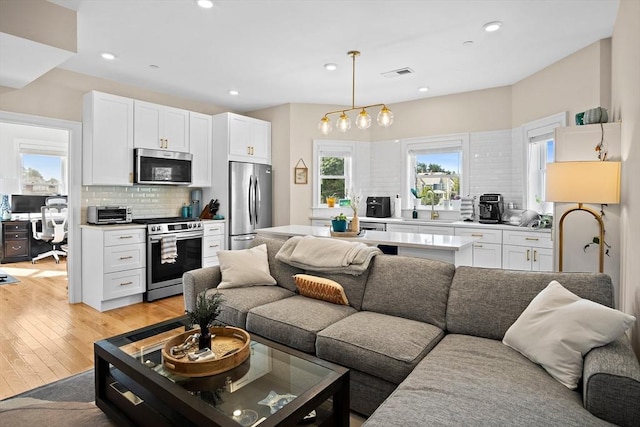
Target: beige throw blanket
(327, 255)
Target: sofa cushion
(238, 301)
(245, 267)
(485, 302)
(385, 346)
(558, 328)
(353, 285)
(420, 288)
(321, 288)
(468, 380)
(280, 271)
(295, 321)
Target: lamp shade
(583, 182)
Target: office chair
(54, 227)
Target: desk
(15, 241)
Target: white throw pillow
(245, 267)
(558, 328)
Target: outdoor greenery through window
(436, 174)
(332, 178)
(541, 152)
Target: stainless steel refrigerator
(250, 196)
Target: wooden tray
(226, 339)
(345, 233)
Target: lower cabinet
(212, 242)
(529, 251)
(487, 252)
(15, 240)
(113, 266)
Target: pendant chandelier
(363, 121)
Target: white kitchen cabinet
(248, 139)
(212, 242)
(113, 270)
(402, 228)
(107, 139)
(527, 250)
(160, 127)
(436, 229)
(200, 136)
(487, 252)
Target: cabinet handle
(248, 150)
(214, 246)
(478, 246)
(125, 237)
(15, 249)
(130, 176)
(535, 239)
(477, 235)
(528, 254)
(126, 283)
(214, 229)
(126, 257)
(535, 256)
(17, 236)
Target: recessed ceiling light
(108, 56)
(234, 92)
(331, 66)
(490, 27)
(205, 4)
(423, 89)
(467, 43)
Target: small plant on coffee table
(204, 314)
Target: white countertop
(442, 223)
(407, 240)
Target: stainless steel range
(165, 278)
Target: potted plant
(339, 223)
(206, 311)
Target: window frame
(326, 148)
(533, 132)
(454, 142)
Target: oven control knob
(153, 228)
(190, 225)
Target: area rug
(68, 402)
(7, 280)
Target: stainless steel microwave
(161, 167)
(101, 215)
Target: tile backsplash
(146, 201)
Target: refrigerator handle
(250, 199)
(256, 198)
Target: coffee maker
(491, 208)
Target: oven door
(168, 276)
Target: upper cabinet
(160, 127)
(248, 139)
(200, 136)
(107, 139)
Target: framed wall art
(300, 173)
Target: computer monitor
(22, 203)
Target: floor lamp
(583, 182)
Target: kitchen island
(454, 249)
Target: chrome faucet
(434, 213)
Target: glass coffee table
(275, 386)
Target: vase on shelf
(5, 208)
(355, 223)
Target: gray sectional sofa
(423, 342)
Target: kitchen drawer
(123, 283)
(211, 245)
(486, 236)
(124, 257)
(400, 228)
(527, 238)
(435, 229)
(215, 229)
(210, 261)
(16, 226)
(16, 248)
(124, 237)
(16, 235)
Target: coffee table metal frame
(146, 398)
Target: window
(539, 150)
(43, 166)
(436, 164)
(333, 170)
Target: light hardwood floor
(43, 338)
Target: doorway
(10, 168)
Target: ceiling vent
(398, 72)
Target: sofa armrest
(611, 383)
(199, 280)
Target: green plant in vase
(204, 314)
(339, 223)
